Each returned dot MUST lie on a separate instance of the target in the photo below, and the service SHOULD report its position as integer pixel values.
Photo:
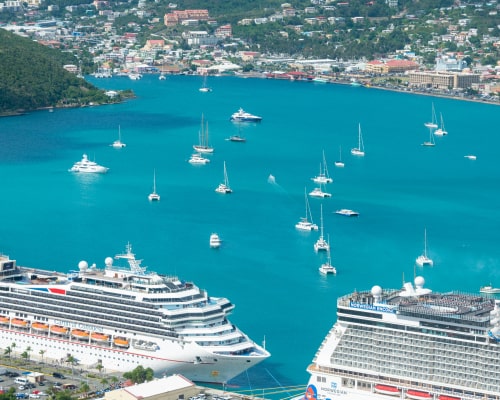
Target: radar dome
(82, 266)
(419, 281)
(108, 261)
(376, 290)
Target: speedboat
(197, 158)
(317, 192)
(87, 166)
(243, 116)
(347, 212)
(236, 138)
(215, 241)
(470, 156)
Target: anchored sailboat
(224, 187)
(154, 196)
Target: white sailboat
(154, 196)
(339, 163)
(203, 145)
(423, 259)
(430, 142)
(321, 244)
(318, 192)
(118, 144)
(204, 88)
(327, 268)
(433, 122)
(215, 241)
(323, 176)
(305, 224)
(224, 187)
(360, 150)
(441, 131)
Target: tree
(139, 374)
(72, 361)
(29, 350)
(41, 352)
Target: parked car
(58, 375)
(12, 374)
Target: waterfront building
(442, 80)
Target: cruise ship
(409, 343)
(121, 316)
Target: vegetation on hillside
(32, 77)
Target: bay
(53, 219)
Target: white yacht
(197, 158)
(306, 223)
(153, 196)
(423, 260)
(318, 192)
(321, 244)
(347, 213)
(224, 187)
(323, 177)
(243, 116)
(409, 342)
(122, 316)
(203, 145)
(215, 241)
(327, 268)
(87, 166)
(118, 144)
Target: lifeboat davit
(386, 389)
(4, 320)
(99, 337)
(59, 330)
(121, 342)
(40, 326)
(418, 395)
(20, 323)
(79, 334)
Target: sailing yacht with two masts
(203, 146)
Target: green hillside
(32, 77)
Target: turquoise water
(53, 219)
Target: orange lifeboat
(40, 326)
(4, 320)
(59, 330)
(80, 334)
(121, 342)
(20, 323)
(99, 337)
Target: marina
(399, 188)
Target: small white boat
(118, 144)
(153, 196)
(430, 142)
(162, 77)
(204, 88)
(215, 241)
(433, 122)
(346, 212)
(224, 188)
(135, 77)
(236, 138)
(323, 177)
(327, 268)
(198, 159)
(304, 224)
(318, 192)
(203, 145)
(87, 166)
(470, 156)
(423, 259)
(489, 289)
(441, 131)
(339, 163)
(360, 150)
(243, 116)
(321, 244)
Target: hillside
(32, 77)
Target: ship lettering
(77, 325)
(372, 307)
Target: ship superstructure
(121, 317)
(410, 343)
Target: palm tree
(99, 367)
(29, 350)
(8, 351)
(25, 355)
(13, 346)
(71, 361)
(41, 352)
